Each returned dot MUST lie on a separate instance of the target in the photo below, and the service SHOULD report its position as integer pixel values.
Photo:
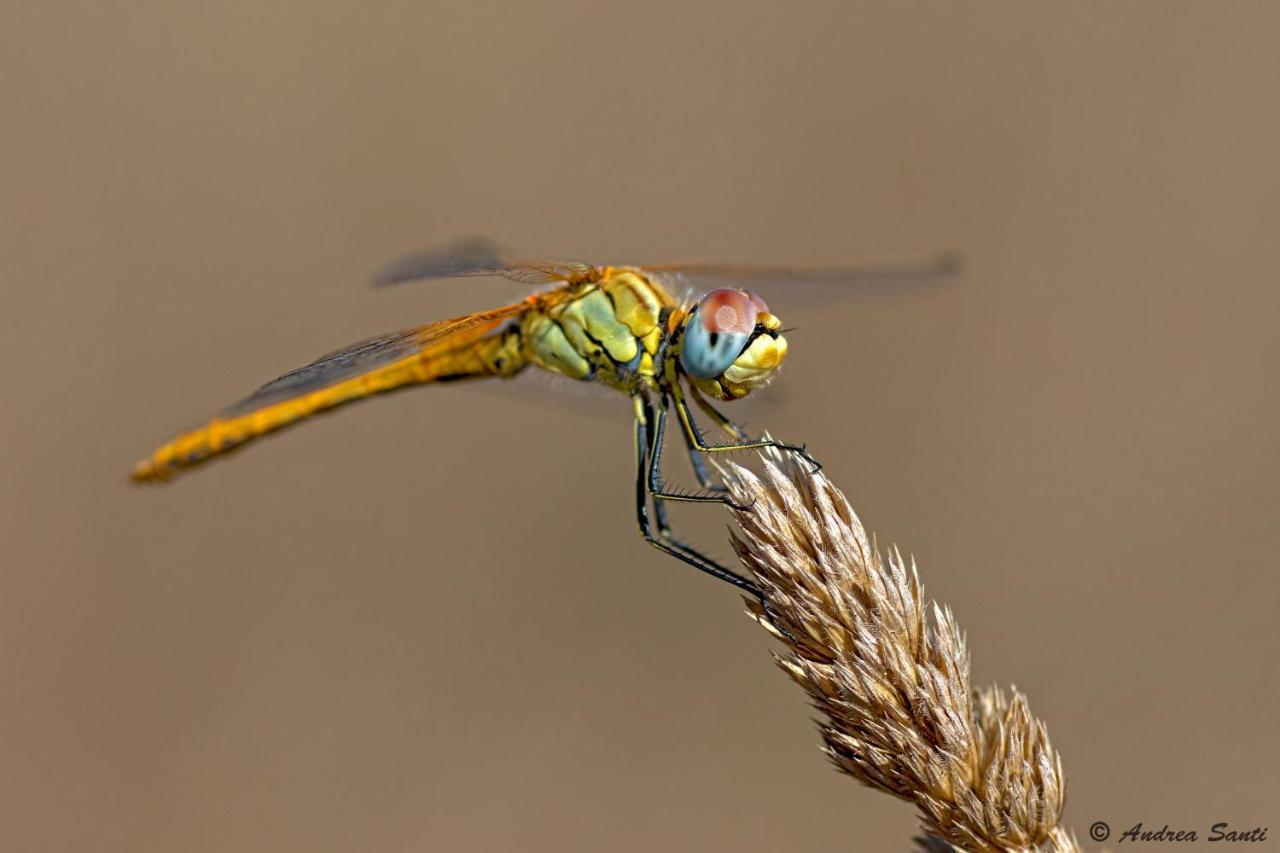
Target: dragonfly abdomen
(497, 355)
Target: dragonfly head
(731, 344)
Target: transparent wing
(479, 256)
(426, 354)
(370, 355)
(939, 268)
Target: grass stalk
(889, 673)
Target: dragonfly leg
(733, 429)
(700, 470)
(663, 540)
(740, 442)
(657, 489)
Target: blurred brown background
(427, 623)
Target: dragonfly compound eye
(718, 329)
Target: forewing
(373, 354)
(795, 278)
(479, 256)
(415, 356)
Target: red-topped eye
(727, 311)
(758, 302)
(718, 330)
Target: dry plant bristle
(889, 673)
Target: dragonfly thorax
(608, 331)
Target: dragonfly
(619, 326)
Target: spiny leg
(665, 534)
(656, 441)
(667, 543)
(660, 516)
(696, 457)
(741, 442)
(664, 541)
(699, 463)
(735, 432)
(656, 486)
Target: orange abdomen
(492, 356)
